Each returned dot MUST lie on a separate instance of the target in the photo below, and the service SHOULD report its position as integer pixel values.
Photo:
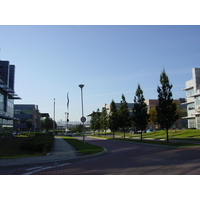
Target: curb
(56, 161)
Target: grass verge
(81, 148)
(174, 143)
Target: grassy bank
(81, 148)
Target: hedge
(41, 143)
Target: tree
(166, 108)
(153, 117)
(93, 121)
(113, 123)
(48, 123)
(29, 124)
(124, 117)
(79, 128)
(140, 116)
(98, 116)
(104, 120)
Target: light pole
(83, 119)
(54, 117)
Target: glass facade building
(193, 99)
(7, 97)
(29, 118)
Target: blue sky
(109, 60)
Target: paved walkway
(61, 151)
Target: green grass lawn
(81, 148)
(185, 135)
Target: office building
(7, 97)
(193, 99)
(29, 118)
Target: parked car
(149, 131)
(15, 133)
(68, 133)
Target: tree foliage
(47, 123)
(124, 116)
(140, 116)
(166, 108)
(152, 117)
(113, 122)
(104, 120)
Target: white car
(68, 133)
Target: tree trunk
(167, 135)
(124, 135)
(141, 136)
(113, 134)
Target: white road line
(41, 168)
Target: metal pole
(81, 86)
(54, 118)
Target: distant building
(180, 123)
(193, 99)
(7, 96)
(130, 107)
(29, 118)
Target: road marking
(42, 168)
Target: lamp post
(83, 119)
(54, 117)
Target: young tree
(124, 117)
(166, 108)
(98, 116)
(48, 123)
(104, 120)
(113, 123)
(153, 117)
(93, 122)
(140, 116)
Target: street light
(83, 119)
(54, 117)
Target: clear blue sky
(109, 60)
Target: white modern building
(193, 99)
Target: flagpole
(67, 109)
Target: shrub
(41, 143)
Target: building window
(189, 92)
(198, 100)
(191, 123)
(191, 106)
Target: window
(189, 92)
(198, 100)
(191, 106)
(191, 123)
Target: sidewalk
(61, 151)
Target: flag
(68, 100)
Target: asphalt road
(133, 159)
(124, 158)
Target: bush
(41, 143)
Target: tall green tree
(140, 115)
(104, 120)
(48, 123)
(124, 116)
(98, 117)
(113, 122)
(93, 122)
(166, 108)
